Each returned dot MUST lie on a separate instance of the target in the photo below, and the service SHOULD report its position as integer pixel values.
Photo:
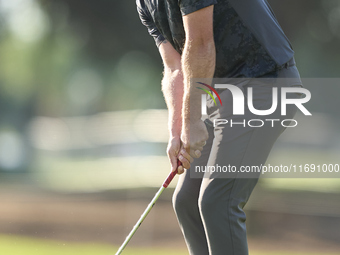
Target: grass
(15, 245)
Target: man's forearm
(173, 89)
(198, 61)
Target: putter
(148, 209)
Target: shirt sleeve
(189, 6)
(147, 21)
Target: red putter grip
(171, 175)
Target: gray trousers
(210, 208)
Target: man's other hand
(194, 137)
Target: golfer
(217, 39)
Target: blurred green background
(83, 134)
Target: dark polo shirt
(248, 39)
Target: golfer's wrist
(175, 127)
(190, 121)
(175, 135)
(191, 116)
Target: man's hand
(174, 146)
(194, 137)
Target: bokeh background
(83, 134)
